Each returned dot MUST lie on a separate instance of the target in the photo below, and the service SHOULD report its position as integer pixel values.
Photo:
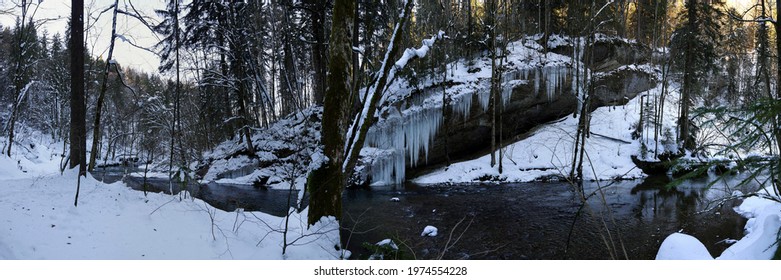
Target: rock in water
(429, 231)
(679, 246)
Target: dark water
(227, 197)
(626, 219)
(541, 220)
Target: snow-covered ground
(112, 221)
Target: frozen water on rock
(403, 137)
(388, 168)
(462, 105)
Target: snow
(429, 231)
(761, 229)
(388, 242)
(679, 246)
(547, 152)
(112, 221)
(759, 243)
(317, 160)
(284, 151)
(556, 40)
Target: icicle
(421, 127)
(550, 86)
(388, 137)
(400, 138)
(462, 105)
(537, 75)
(507, 94)
(484, 97)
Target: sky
(740, 5)
(57, 13)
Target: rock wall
(527, 109)
(534, 94)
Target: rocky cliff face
(423, 124)
(536, 89)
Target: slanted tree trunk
(327, 182)
(101, 96)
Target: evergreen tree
(694, 49)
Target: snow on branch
(357, 132)
(378, 89)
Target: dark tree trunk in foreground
(326, 183)
(78, 132)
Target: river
(622, 219)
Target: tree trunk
(17, 76)
(685, 138)
(78, 131)
(493, 105)
(776, 129)
(101, 96)
(237, 44)
(318, 51)
(326, 183)
(387, 73)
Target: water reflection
(538, 220)
(227, 197)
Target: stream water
(620, 220)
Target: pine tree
(24, 53)
(694, 50)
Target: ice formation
(388, 165)
(402, 137)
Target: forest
(341, 129)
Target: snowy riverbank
(113, 221)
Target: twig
(161, 206)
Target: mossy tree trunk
(326, 183)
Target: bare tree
(96, 137)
